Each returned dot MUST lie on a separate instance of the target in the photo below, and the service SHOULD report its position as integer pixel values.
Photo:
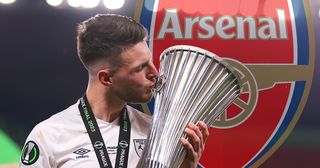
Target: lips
(151, 87)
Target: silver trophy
(193, 85)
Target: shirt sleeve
(36, 153)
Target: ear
(104, 77)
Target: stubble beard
(135, 97)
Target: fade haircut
(105, 36)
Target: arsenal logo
(272, 49)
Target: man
(100, 129)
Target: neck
(104, 107)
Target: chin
(144, 99)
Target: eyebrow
(144, 64)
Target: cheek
(130, 84)
(135, 85)
(136, 80)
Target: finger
(197, 130)
(205, 131)
(193, 138)
(189, 148)
(200, 136)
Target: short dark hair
(106, 36)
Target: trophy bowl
(193, 85)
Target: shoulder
(47, 136)
(51, 127)
(69, 114)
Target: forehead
(136, 54)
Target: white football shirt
(62, 141)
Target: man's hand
(197, 137)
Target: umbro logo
(81, 153)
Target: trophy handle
(249, 87)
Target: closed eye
(140, 67)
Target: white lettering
(282, 24)
(189, 22)
(240, 27)
(122, 157)
(205, 26)
(103, 157)
(170, 24)
(267, 30)
(223, 24)
(225, 27)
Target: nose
(153, 73)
